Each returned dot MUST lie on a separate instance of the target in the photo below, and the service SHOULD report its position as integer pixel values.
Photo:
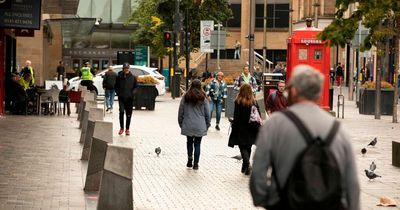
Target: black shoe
(189, 163)
(196, 166)
(248, 171)
(243, 168)
(217, 127)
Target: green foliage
(147, 34)
(378, 15)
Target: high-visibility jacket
(24, 83)
(32, 82)
(86, 74)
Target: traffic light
(167, 39)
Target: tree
(148, 34)
(381, 17)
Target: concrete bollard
(116, 183)
(101, 136)
(81, 104)
(85, 119)
(94, 114)
(83, 89)
(87, 96)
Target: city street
(40, 166)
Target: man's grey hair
(308, 82)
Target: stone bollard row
(116, 182)
(85, 119)
(102, 135)
(94, 115)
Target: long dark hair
(245, 96)
(195, 94)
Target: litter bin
(270, 84)
(165, 73)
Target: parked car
(135, 70)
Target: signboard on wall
(22, 14)
(142, 56)
(206, 27)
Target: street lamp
(219, 25)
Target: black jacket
(109, 80)
(125, 85)
(243, 132)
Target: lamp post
(177, 73)
(218, 25)
(251, 34)
(265, 37)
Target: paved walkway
(40, 166)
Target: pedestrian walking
(246, 78)
(124, 87)
(339, 74)
(277, 101)
(109, 80)
(86, 74)
(216, 91)
(237, 50)
(244, 128)
(60, 71)
(194, 121)
(332, 182)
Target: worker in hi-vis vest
(86, 75)
(28, 70)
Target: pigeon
(371, 174)
(363, 151)
(372, 167)
(237, 157)
(373, 142)
(158, 151)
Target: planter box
(145, 96)
(367, 102)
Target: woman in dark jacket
(194, 120)
(244, 132)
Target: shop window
(318, 54)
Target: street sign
(142, 56)
(206, 27)
(25, 14)
(214, 40)
(359, 36)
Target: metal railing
(260, 60)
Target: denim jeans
(109, 98)
(218, 106)
(196, 141)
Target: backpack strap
(332, 133)
(300, 126)
(304, 131)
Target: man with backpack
(304, 158)
(276, 101)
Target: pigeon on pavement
(373, 142)
(372, 167)
(158, 151)
(363, 151)
(371, 174)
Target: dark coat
(243, 132)
(125, 85)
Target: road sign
(206, 27)
(214, 40)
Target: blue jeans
(196, 141)
(218, 106)
(109, 98)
